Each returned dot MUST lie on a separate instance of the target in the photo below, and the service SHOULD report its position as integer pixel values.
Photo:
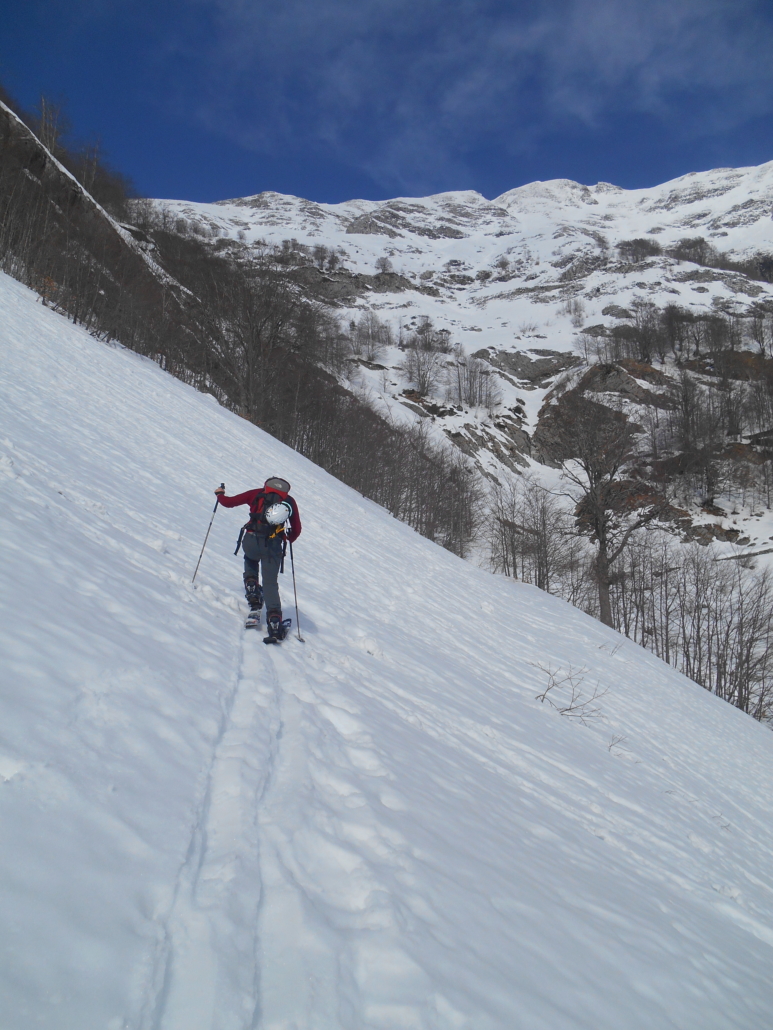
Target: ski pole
(214, 510)
(295, 591)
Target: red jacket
(249, 497)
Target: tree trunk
(602, 578)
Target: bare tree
(532, 537)
(423, 365)
(52, 125)
(469, 381)
(369, 336)
(596, 445)
(422, 368)
(575, 309)
(761, 329)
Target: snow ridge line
(207, 975)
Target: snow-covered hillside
(525, 241)
(383, 828)
(531, 285)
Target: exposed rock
(707, 534)
(346, 287)
(389, 219)
(531, 370)
(546, 439)
(415, 401)
(733, 281)
(417, 409)
(615, 379)
(519, 441)
(615, 311)
(640, 370)
(474, 440)
(371, 225)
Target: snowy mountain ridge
(747, 200)
(383, 829)
(499, 274)
(421, 236)
(526, 283)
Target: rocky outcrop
(535, 371)
(345, 287)
(615, 379)
(477, 442)
(394, 219)
(371, 225)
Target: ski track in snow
(209, 958)
(269, 906)
(381, 829)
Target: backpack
(257, 523)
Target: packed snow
(380, 828)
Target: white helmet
(278, 513)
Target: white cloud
(403, 88)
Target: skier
(274, 519)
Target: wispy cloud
(405, 89)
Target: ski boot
(277, 626)
(255, 600)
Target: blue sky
(334, 99)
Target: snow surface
(382, 828)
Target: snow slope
(380, 829)
(540, 229)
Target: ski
(253, 620)
(284, 629)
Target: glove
(220, 491)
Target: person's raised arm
(233, 502)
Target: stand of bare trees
(470, 382)
(369, 337)
(424, 363)
(712, 620)
(532, 538)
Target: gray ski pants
(265, 555)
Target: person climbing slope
(274, 521)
